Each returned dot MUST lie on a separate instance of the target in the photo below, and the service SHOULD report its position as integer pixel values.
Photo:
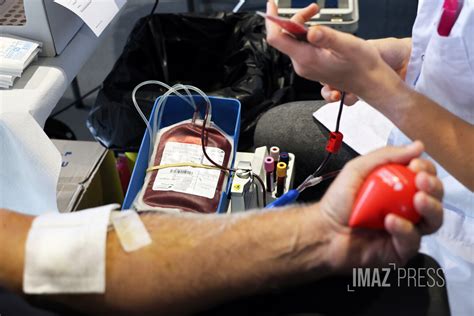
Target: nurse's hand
(368, 248)
(394, 51)
(340, 60)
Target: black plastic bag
(224, 55)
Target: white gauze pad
(65, 253)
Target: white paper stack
(15, 55)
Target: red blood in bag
(188, 133)
(388, 189)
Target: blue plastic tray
(225, 113)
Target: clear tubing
(158, 113)
(179, 86)
(312, 181)
(164, 85)
(164, 98)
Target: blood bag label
(189, 180)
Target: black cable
(148, 18)
(338, 123)
(339, 114)
(154, 7)
(67, 107)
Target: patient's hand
(355, 248)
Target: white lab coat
(442, 68)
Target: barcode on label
(179, 171)
(196, 181)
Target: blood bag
(180, 177)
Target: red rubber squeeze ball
(388, 189)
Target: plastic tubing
(174, 90)
(159, 111)
(164, 85)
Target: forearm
(14, 229)
(197, 261)
(448, 138)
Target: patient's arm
(194, 261)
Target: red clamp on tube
(334, 142)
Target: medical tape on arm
(65, 253)
(130, 230)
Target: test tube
(281, 176)
(284, 157)
(275, 154)
(269, 172)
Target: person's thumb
(326, 37)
